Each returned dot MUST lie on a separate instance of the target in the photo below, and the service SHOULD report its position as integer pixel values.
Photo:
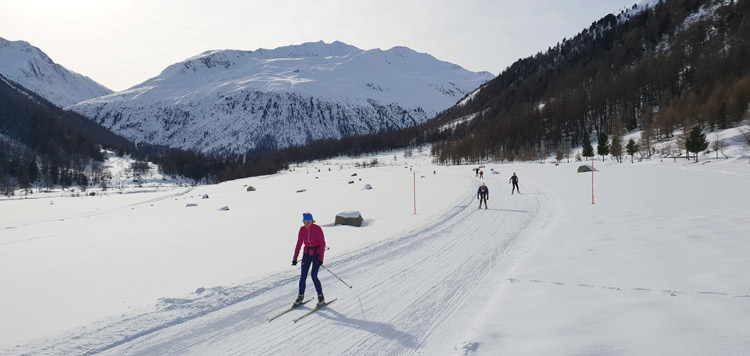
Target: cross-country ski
(289, 309)
(314, 310)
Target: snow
(30, 67)
(657, 265)
(353, 214)
(229, 100)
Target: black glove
(318, 263)
(294, 262)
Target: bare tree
(616, 147)
(718, 145)
(645, 141)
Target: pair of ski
(295, 307)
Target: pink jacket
(312, 237)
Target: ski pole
(334, 274)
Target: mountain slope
(34, 70)
(660, 66)
(42, 144)
(229, 101)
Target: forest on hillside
(42, 145)
(678, 65)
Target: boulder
(584, 168)
(226, 208)
(190, 205)
(351, 218)
(301, 190)
(368, 187)
(251, 189)
(205, 196)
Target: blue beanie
(307, 216)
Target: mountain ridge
(231, 101)
(32, 68)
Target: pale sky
(121, 43)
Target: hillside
(670, 66)
(33, 69)
(45, 146)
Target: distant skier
(481, 174)
(315, 245)
(514, 180)
(483, 194)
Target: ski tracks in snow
(414, 293)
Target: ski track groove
(395, 308)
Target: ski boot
(299, 301)
(321, 300)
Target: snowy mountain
(33, 69)
(231, 101)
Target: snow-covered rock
(351, 218)
(33, 69)
(231, 101)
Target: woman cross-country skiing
(311, 235)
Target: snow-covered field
(656, 266)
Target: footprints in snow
(671, 293)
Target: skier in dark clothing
(483, 194)
(311, 235)
(514, 180)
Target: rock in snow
(351, 218)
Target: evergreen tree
(632, 148)
(602, 147)
(696, 142)
(588, 150)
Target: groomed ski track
(415, 293)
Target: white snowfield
(656, 266)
